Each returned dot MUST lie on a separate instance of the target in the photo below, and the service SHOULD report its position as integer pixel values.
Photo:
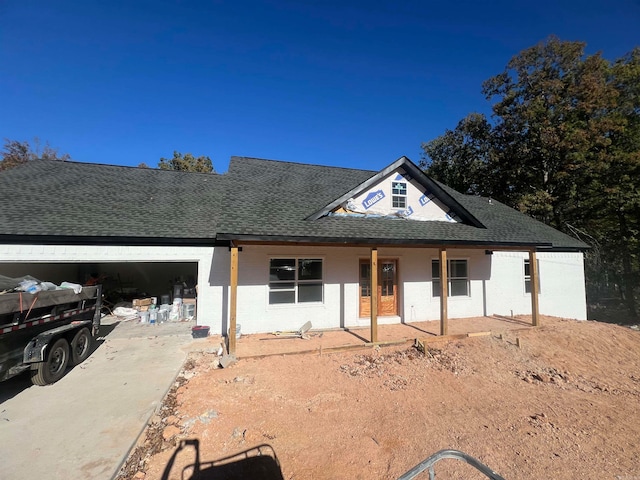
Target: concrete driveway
(84, 425)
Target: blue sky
(347, 83)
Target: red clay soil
(564, 404)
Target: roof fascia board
(442, 195)
(354, 241)
(81, 240)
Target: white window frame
(296, 281)
(527, 278)
(435, 293)
(398, 197)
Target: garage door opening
(122, 281)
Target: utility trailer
(47, 331)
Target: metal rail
(428, 464)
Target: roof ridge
(130, 167)
(290, 162)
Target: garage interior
(121, 281)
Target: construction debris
(301, 333)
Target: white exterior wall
(496, 282)
(340, 307)
(209, 293)
(562, 284)
(496, 285)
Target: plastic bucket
(144, 317)
(188, 310)
(200, 331)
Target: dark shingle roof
(256, 199)
(278, 196)
(54, 198)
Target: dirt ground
(560, 401)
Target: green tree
(612, 203)
(563, 146)
(460, 158)
(15, 153)
(187, 163)
(552, 118)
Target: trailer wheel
(81, 346)
(53, 368)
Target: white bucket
(188, 311)
(163, 316)
(144, 317)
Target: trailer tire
(81, 346)
(54, 367)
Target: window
(295, 280)
(457, 275)
(399, 194)
(527, 276)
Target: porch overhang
(243, 239)
(235, 242)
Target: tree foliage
(459, 157)
(15, 153)
(187, 163)
(563, 146)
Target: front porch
(374, 289)
(334, 340)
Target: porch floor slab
(265, 344)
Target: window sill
(279, 306)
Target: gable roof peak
(419, 176)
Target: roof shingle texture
(54, 198)
(255, 198)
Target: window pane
(365, 270)
(282, 286)
(398, 188)
(527, 276)
(459, 288)
(282, 297)
(436, 288)
(399, 202)
(309, 269)
(458, 268)
(282, 269)
(435, 269)
(309, 292)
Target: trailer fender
(36, 349)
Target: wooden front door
(387, 290)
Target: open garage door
(122, 281)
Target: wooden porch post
(533, 270)
(444, 292)
(233, 300)
(374, 295)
